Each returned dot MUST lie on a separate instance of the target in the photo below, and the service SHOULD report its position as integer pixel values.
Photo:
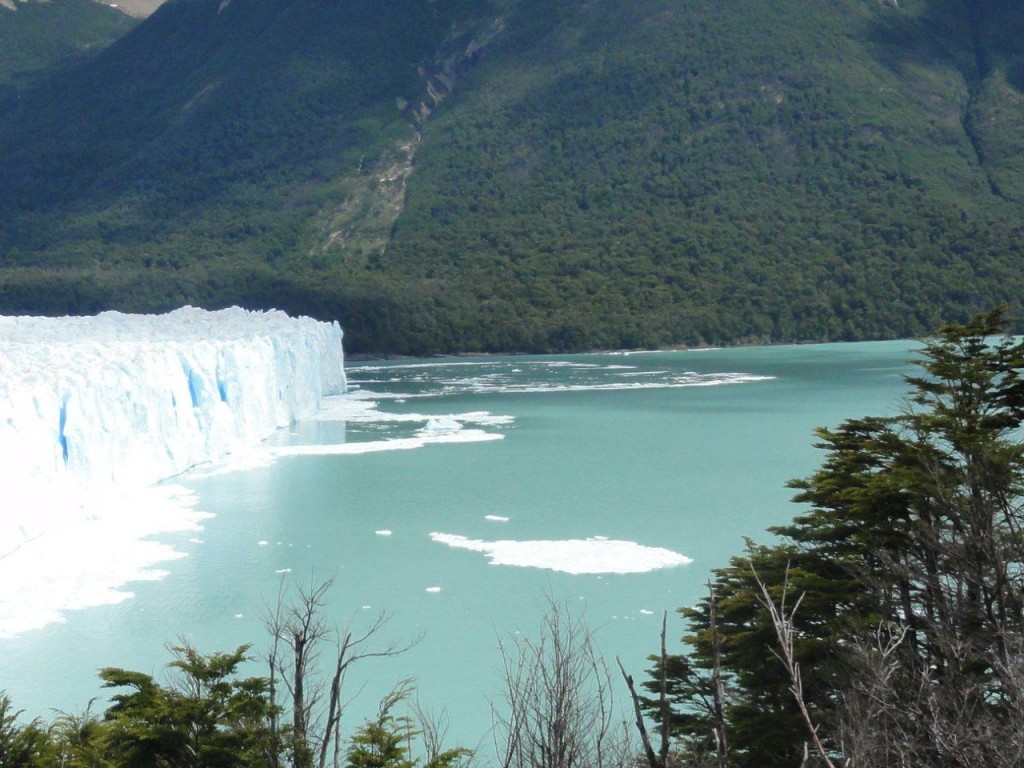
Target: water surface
(687, 452)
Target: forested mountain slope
(532, 175)
(36, 35)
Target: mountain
(457, 175)
(139, 9)
(36, 35)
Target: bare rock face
(457, 52)
(140, 9)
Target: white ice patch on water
(81, 551)
(361, 408)
(675, 382)
(441, 425)
(95, 410)
(439, 364)
(352, 406)
(536, 376)
(357, 408)
(394, 444)
(578, 556)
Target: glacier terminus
(94, 411)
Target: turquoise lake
(686, 451)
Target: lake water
(404, 491)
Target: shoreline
(369, 356)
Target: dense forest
(883, 627)
(451, 176)
(37, 37)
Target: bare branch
(786, 635)
(653, 760)
(560, 709)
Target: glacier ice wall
(96, 410)
(134, 398)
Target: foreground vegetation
(883, 627)
(886, 626)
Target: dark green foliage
(40, 36)
(21, 746)
(693, 178)
(386, 741)
(910, 628)
(615, 173)
(208, 717)
(78, 741)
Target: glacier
(95, 411)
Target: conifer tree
(909, 565)
(207, 718)
(21, 746)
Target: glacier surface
(95, 410)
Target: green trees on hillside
(36, 38)
(626, 173)
(695, 179)
(908, 567)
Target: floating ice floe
(68, 560)
(593, 555)
(436, 430)
(536, 376)
(441, 425)
(361, 407)
(374, 446)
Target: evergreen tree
(207, 719)
(21, 746)
(386, 741)
(908, 564)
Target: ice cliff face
(95, 410)
(134, 399)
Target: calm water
(687, 451)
